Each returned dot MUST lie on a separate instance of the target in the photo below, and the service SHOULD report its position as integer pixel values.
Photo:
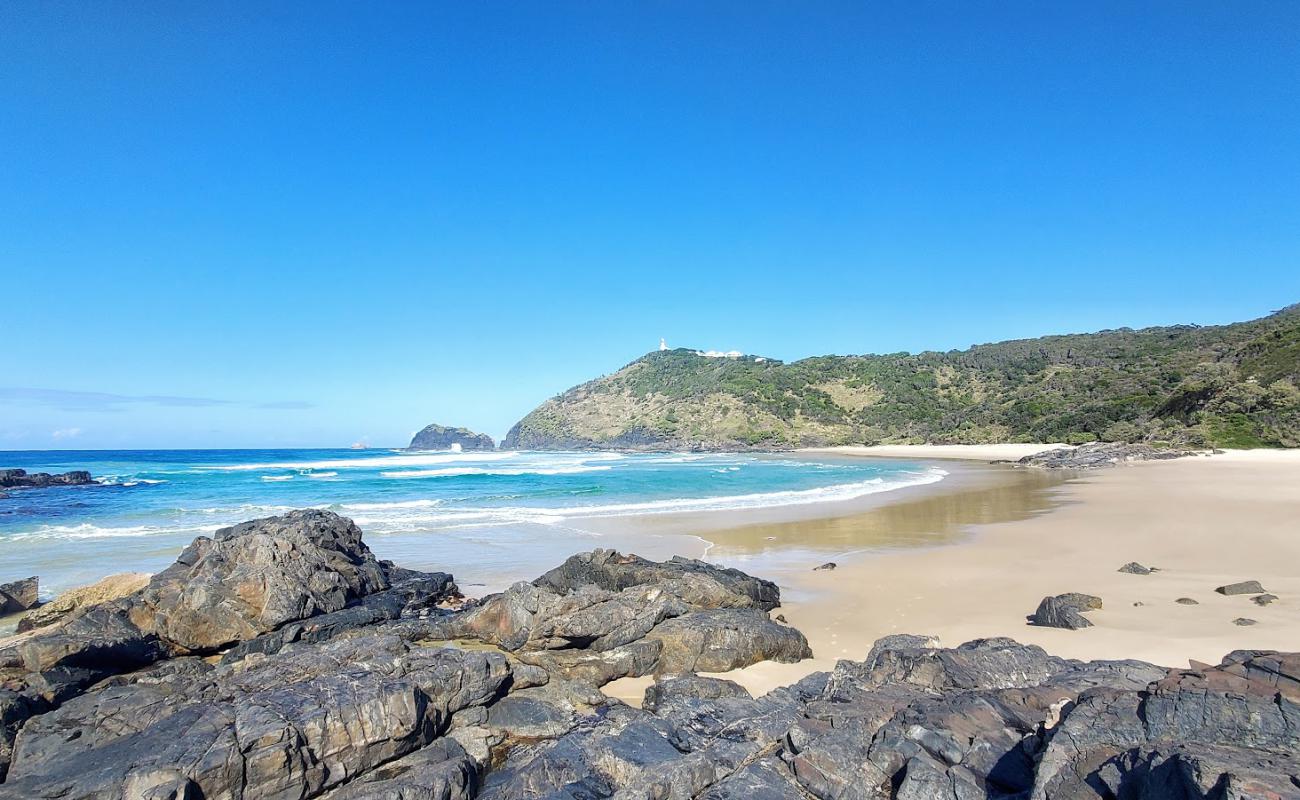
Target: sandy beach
(1204, 521)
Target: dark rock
(724, 639)
(441, 771)
(1187, 601)
(438, 437)
(19, 596)
(1264, 599)
(1099, 454)
(695, 582)
(827, 566)
(1244, 587)
(668, 691)
(1065, 611)
(1134, 568)
(1244, 621)
(248, 580)
(20, 479)
(295, 725)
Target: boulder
(75, 602)
(439, 437)
(19, 596)
(295, 725)
(1134, 568)
(1065, 611)
(724, 639)
(1243, 587)
(249, 579)
(695, 582)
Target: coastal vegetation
(1183, 385)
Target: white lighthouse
(663, 345)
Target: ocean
(479, 515)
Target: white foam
(453, 472)
(371, 463)
(277, 477)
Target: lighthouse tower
(662, 344)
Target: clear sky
(308, 224)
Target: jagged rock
(21, 479)
(1201, 732)
(1244, 587)
(439, 437)
(668, 691)
(723, 639)
(75, 602)
(247, 580)
(1096, 455)
(1264, 599)
(829, 565)
(1244, 621)
(695, 582)
(1134, 568)
(1187, 601)
(441, 771)
(19, 596)
(1065, 611)
(295, 724)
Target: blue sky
(307, 224)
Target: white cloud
(66, 433)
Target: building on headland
(732, 354)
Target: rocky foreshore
(22, 479)
(281, 659)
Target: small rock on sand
(1263, 599)
(1243, 621)
(19, 595)
(828, 565)
(1187, 601)
(1134, 568)
(1244, 587)
(1065, 611)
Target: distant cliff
(439, 437)
(1227, 385)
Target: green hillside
(1225, 386)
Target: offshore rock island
(280, 658)
(1185, 385)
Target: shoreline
(1204, 521)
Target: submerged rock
(829, 565)
(439, 437)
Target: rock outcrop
(1242, 587)
(439, 437)
(75, 602)
(20, 479)
(19, 596)
(1096, 455)
(350, 679)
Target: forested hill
(1227, 386)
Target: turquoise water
(475, 514)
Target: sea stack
(440, 437)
